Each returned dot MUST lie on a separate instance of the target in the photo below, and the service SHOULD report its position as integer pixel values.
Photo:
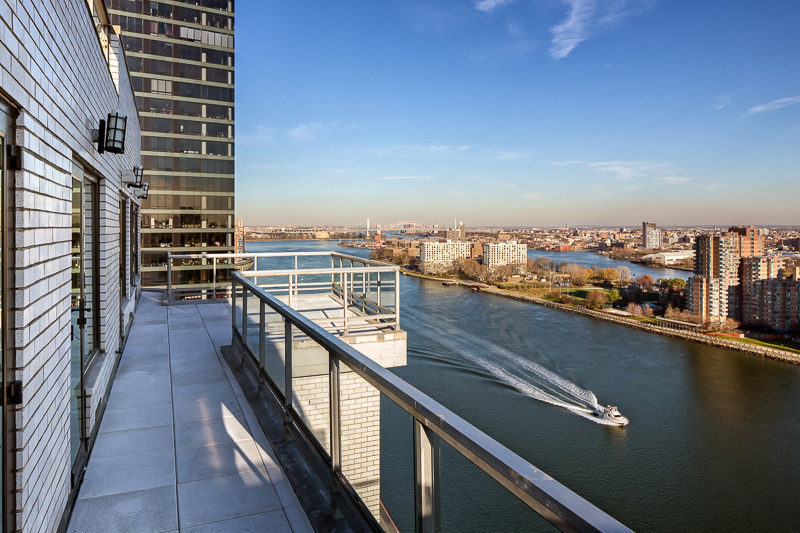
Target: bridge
(409, 226)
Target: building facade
(181, 57)
(70, 255)
(716, 260)
(497, 254)
(651, 236)
(435, 257)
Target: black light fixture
(110, 136)
(143, 190)
(133, 178)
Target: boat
(611, 415)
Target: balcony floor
(179, 448)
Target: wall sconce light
(133, 178)
(143, 190)
(110, 136)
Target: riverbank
(761, 351)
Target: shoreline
(719, 342)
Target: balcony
(266, 402)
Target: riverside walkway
(179, 448)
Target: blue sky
(518, 112)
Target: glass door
(8, 521)
(84, 312)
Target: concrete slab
(130, 512)
(226, 497)
(136, 417)
(205, 462)
(206, 432)
(274, 521)
(129, 473)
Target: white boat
(610, 414)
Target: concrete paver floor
(179, 448)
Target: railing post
(262, 331)
(233, 302)
(214, 279)
(287, 371)
(333, 275)
(423, 479)
(336, 429)
(290, 292)
(170, 295)
(379, 276)
(397, 300)
(244, 314)
(344, 303)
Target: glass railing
(407, 461)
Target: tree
(613, 296)
(577, 274)
(543, 263)
(625, 274)
(645, 282)
(596, 299)
(672, 283)
(609, 274)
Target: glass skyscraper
(181, 59)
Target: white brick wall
(52, 68)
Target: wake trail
(527, 377)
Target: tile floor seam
(174, 441)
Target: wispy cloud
(586, 17)
(629, 170)
(308, 131)
(487, 6)
(406, 178)
(447, 151)
(673, 180)
(723, 101)
(261, 135)
(501, 184)
(774, 105)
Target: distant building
(436, 257)
(751, 241)
(651, 236)
(716, 261)
(457, 233)
(496, 254)
(238, 238)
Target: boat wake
(529, 378)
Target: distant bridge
(409, 226)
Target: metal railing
(546, 496)
(362, 287)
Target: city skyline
(519, 113)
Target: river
(713, 437)
(591, 259)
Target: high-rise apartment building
(716, 261)
(496, 254)
(181, 59)
(651, 236)
(439, 256)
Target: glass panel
(90, 271)
(76, 359)
(310, 386)
(466, 498)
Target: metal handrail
(549, 498)
(215, 289)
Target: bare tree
(625, 274)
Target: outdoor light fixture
(110, 136)
(133, 178)
(143, 190)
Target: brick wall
(54, 71)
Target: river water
(590, 259)
(713, 441)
